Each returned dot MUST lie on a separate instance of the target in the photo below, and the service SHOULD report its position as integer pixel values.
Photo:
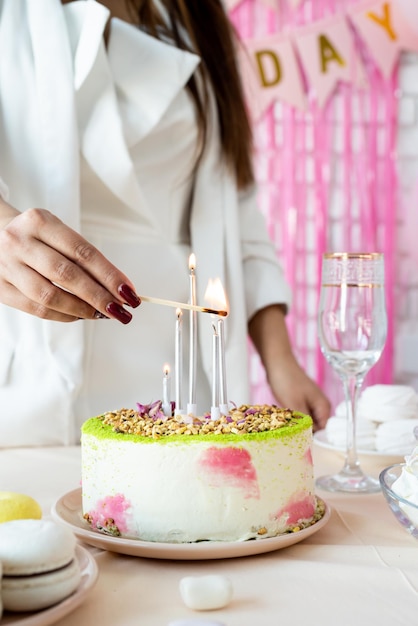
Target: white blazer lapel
(86, 23)
(148, 73)
(100, 126)
(145, 71)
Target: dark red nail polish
(118, 312)
(129, 296)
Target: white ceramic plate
(68, 509)
(320, 438)
(51, 615)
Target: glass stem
(352, 386)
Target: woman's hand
(289, 383)
(50, 271)
(293, 389)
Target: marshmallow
(203, 593)
(341, 410)
(396, 437)
(392, 414)
(336, 432)
(384, 403)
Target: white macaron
(39, 564)
(1, 601)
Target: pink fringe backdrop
(327, 182)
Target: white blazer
(43, 104)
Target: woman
(125, 123)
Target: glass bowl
(405, 511)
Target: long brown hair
(211, 35)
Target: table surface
(360, 568)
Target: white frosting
(204, 593)
(202, 489)
(406, 486)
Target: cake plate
(68, 509)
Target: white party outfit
(106, 139)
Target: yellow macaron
(18, 506)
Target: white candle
(215, 293)
(223, 399)
(166, 391)
(179, 360)
(191, 406)
(215, 412)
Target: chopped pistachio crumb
(245, 419)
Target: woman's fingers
(14, 298)
(59, 274)
(72, 246)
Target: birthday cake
(180, 479)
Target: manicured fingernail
(98, 315)
(118, 312)
(129, 296)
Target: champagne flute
(352, 327)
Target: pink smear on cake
(298, 508)
(308, 456)
(231, 467)
(111, 508)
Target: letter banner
(328, 54)
(385, 31)
(314, 59)
(231, 4)
(271, 72)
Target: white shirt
(108, 144)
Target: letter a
(328, 53)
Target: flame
(215, 294)
(166, 369)
(179, 313)
(192, 262)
